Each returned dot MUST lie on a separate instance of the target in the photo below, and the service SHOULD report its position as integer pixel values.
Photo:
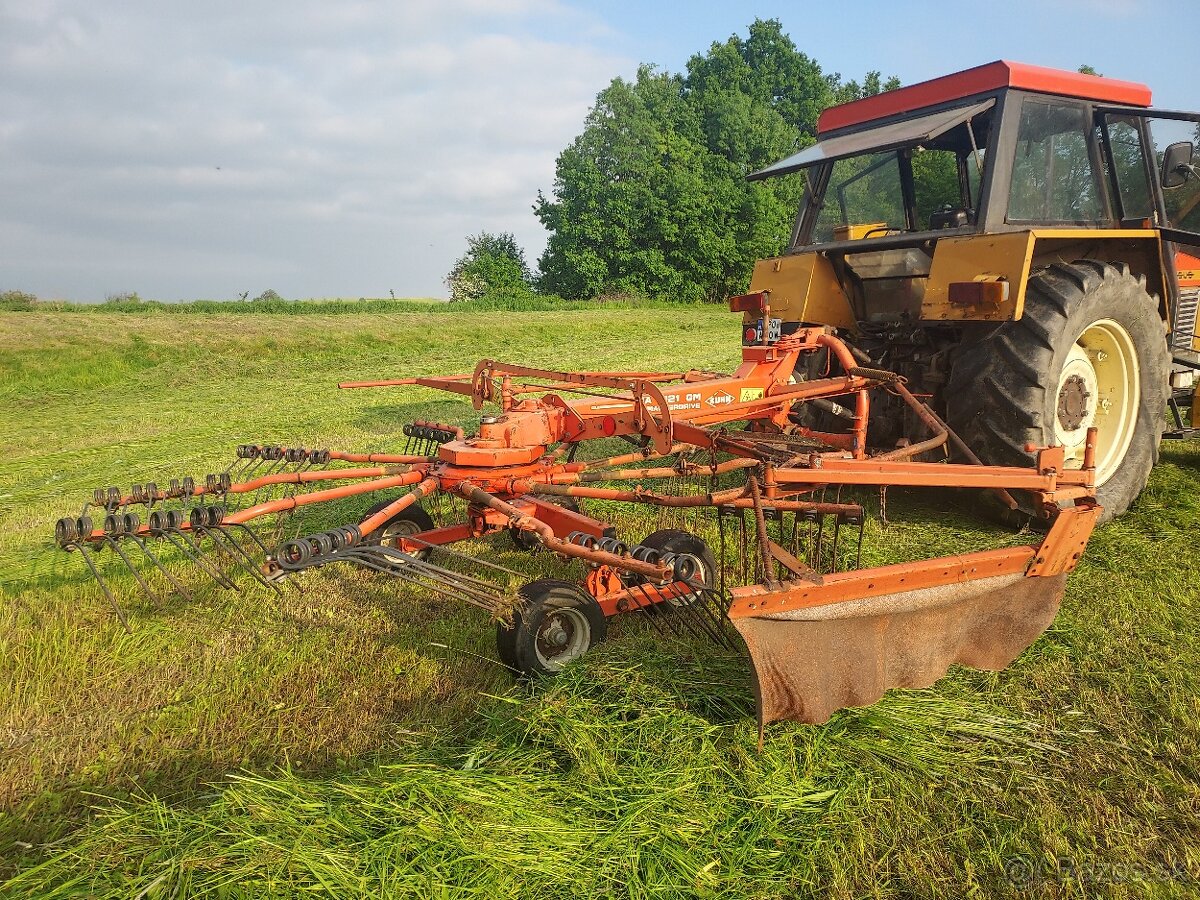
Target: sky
(347, 148)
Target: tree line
(651, 198)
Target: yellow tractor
(1016, 242)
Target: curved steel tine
(644, 604)
(713, 625)
(862, 521)
(714, 607)
(87, 558)
(483, 601)
(421, 564)
(240, 557)
(685, 615)
(834, 564)
(196, 555)
(111, 542)
(158, 565)
(250, 531)
(428, 576)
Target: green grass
(337, 306)
(355, 739)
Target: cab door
(1154, 170)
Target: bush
(493, 268)
(128, 299)
(268, 296)
(14, 301)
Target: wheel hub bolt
(556, 635)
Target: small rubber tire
(673, 540)
(524, 540)
(1004, 389)
(413, 520)
(554, 623)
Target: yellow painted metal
(1089, 234)
(978, 257)
(803, 288)
(1006, 256)
(858, 232)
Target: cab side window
(1054, 178)
(1129, 167)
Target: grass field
(357, 740)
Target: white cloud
(311, 147)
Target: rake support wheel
(413, 520)
(554, 623)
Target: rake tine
(661, 624)
(104, 587)
(712, 620)
(818, 550)
(224, 551)
(837, 528)
(745, 545)
(399, 560)
(158, 565)
(721, 539)
(187, 548)
(475, 598)
(694, 621)
(680, 614)
(250, 531)
(858, 552)
(427, 567)
(251, 467)
(241, 557)
(111, 542)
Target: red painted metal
(979, 80)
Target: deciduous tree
(651, 198)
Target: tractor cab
(943, 221)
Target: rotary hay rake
(727, 449)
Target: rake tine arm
(306, 478)
(158, 565)
(481, 497)
(730, 465)
(300, 477)
(394, 458)
(635, 496)
(426, 487)
(624, 459)
(136, 574)
(87, 558)
(350, 490)
(181, 541)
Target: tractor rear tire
(1089, 349)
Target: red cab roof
(989, 77)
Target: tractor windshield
(930, 184)
(865, 196)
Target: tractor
(1017, 242)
